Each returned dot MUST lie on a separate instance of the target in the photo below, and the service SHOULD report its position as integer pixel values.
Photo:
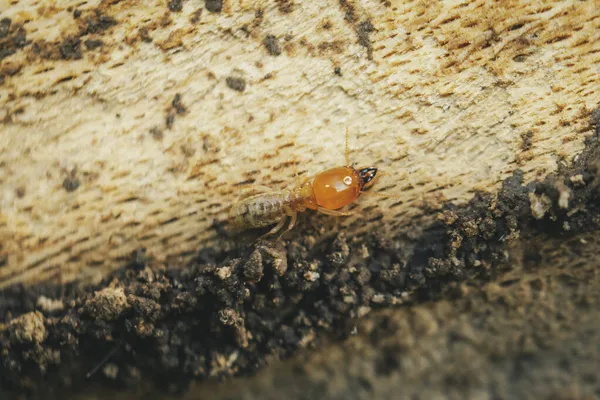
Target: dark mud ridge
(230, 313)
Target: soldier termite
(326, 192)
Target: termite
(327, 192)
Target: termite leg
(334, 213)
(293, 216)
(276, 228)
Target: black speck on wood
(156, 133)
(99, 23)
(272, 44)
(175, 5)
(196, 16)
(70, 183)
(13, 39)
(92, 44)
(238, 84)
(178, 105)
(170, 120)
(4, 27)
(70, 49)
(214, 5)
(363, 30)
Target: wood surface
(136, 124)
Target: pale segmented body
(263, 209)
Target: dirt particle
(175, 5)
(170, 119)
(111, 371)
(196, 16)
(20, 39)
(70, 49)
(540, 205)
(71, 183)
(12, 38)
(285, 6)
(20, 192)
(311, 276)
(187, 149)
(92, 44)
(228, 316)
(253, 268)
(144, 35)
(275, 256)
(28, 328)
(258, 17)
(336, 46)
(4, 27)
(363, 31)
(214, 6)
(76, 13)
(564, 194)
(107, 304)
(97, 23)
(526, 140)
(176, 108)
(50, 305)
(272, 44)
(236, 83)
(448, 217)
(156, 133)
(224, 272)
(178, 105)
(350, 13)
(577, 180)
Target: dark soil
(232, 312)
(532, 334)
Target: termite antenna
(347, 150)
(382, 194)
(103, 361)
(296, 175)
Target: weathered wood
(131, 124)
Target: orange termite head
(338, 187)
(366, 176)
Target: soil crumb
(272, 44)
(214, 6)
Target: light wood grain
(440, 96)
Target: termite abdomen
(260, 210)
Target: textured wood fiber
(446, 97)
